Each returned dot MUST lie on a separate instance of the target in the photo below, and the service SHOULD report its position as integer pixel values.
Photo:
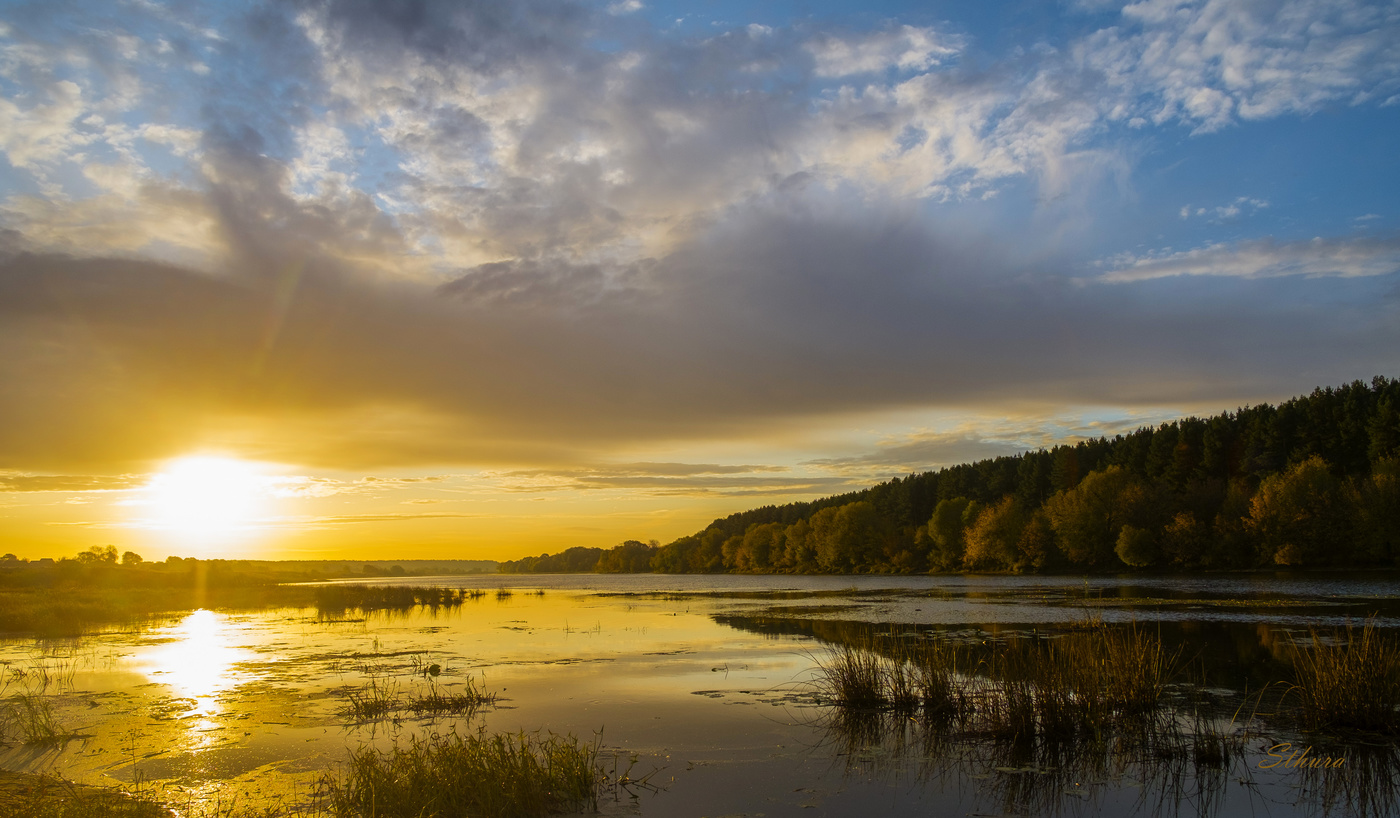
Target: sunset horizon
(335, 280)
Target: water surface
(703, 681)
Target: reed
(501, 775)
(29, 717)
(1350, 681)
(375, 700)
(335, 600)
(1056, 690)
(47, 796)
(852, 678)
(462, 702)
(942, 694)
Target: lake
(702, 685)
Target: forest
(1312, 483)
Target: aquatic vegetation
(510, 776)
(336, 600)
(1349, 682)
(30, 717)
(374, 700)
(51, 797)
(381, 697)
(463, 702)
(1074, 685)
(853, 678)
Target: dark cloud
(766, 320)
(675, 239)
(483, 35)
(921, 454)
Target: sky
(420, 279)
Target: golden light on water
(205, 496)
(199, 664)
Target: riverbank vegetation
(1033, 718)
(509, 776)
(66, 597)
(1312, 483)
(1075, 685)
(1096, 676)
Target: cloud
(1209, 63)
(1341, 258)
(672, 479)
(425, 233)
(1243, 205)
(352, 519)
(68, 482)
(768, 318)
(901, 48)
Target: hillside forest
(1311, 483)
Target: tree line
(1313, 482)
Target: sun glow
(206, 495)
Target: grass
(374, 701)
(336, 600)
(30, 718)
(73, 609)
(1349, 682)
(1079, 684)
(501, 775)
(380, 698)
(463, 703)
(49, 797)
(853, 678)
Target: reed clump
(853, 678)
(375, 700)
(1057, 690)
(463, 702)
(1349, 682)
(30, 718)
(47, 796)
(500, 775)
(336, 600)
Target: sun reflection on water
(200, 663)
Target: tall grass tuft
(462, 702)
(941, 693)
(30, 718)
(504, 776)
(34, 796)
(375, 700)
(852, 678)
(1351, 682)
(1057, 690)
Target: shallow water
(704, 680)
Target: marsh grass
(75, 609)
(381, 698)
(33, 796)
(501, 775)
(1349, 682)
(853, 678)
(1062, 689)
(333, 601)
(462, 702)
(375, 700)
(30, 718)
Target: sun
(206, 495)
